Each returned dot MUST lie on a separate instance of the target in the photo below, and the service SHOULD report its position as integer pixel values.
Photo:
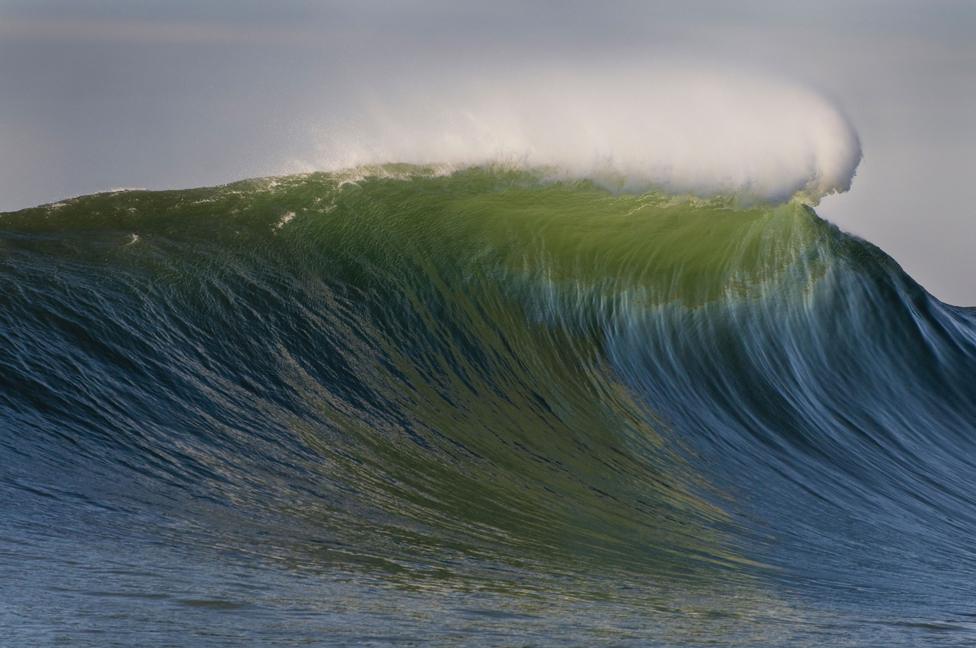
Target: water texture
(398, 406)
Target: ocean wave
(491, 380)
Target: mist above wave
(680, 130)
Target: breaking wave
(403, 402)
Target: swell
(467, 376)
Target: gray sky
(102, 94)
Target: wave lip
(673, 130)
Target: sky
(96, 95)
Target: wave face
(390, 406)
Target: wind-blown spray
(681, 130)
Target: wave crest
(678, 131)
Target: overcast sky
(96, 95)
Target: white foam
(680, 130)
(286, 218)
